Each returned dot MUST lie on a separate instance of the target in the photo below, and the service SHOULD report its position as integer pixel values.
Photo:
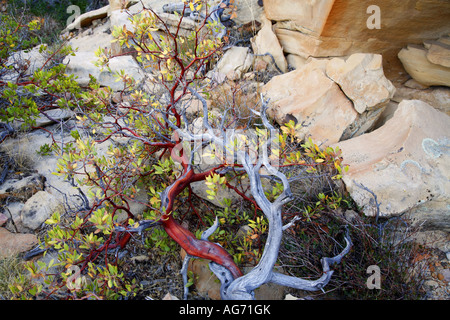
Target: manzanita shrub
(140, 125)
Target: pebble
(446, 275)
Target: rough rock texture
(247, 11)
(406, 163)
(14, 243)
(120, 18)
(340, 27)
(305, 16)
(52, 116)
(334, 99)
(29, 60)
(37, 209)
(156, 5)
(234, 63)
(310, 98)
(266, 42)
(439, 51)
(82, 65)
(86, 19)
(416, 62)
(93, 38)
(437, 97)
(295, 61)
(362, 79)
(207, 284)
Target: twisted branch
(243, 287)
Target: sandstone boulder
(406, 163)
(117, 64)
(267, 42)
(25, 62)
(312, 99)
(86, 18)
(121, 18)
(83, 64)
(437, 97)
(52, 116)
(93, 38)
(305, 16)
(439, 52)
(15, 243)
(316, 95)
(38, 208)
(362, 79)
(207, 284)
(247, 11)
(120, 4)
(295, 61)
(234, 63)
(155, 5)
(22, 188)
(416, 63)
(331, 28)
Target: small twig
(290, 224)
(143, 225)
(272, 58)
(183, 271)
(207, 233)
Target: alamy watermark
(76, 12)
(75, 281)
(255, 144)
(374, 20)
(374, 280)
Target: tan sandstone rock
(439, 52)
(305, 16)
(82, 65)
(118, 4)
(418, 66)
(25, 62)
(207, 284)
(295, 61)
(267, 42)
(14, 243)
(406, 162)
(361, 78)
(247, 11)
(310, 98)
(86, 18)
(37, 209)
(331, 28)
(96, 37)
(316, 95)
(233, 64)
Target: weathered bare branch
(243, 287)
(313, 285)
